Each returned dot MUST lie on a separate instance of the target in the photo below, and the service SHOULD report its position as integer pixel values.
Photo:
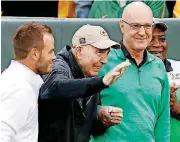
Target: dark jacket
(67, 108)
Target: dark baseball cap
(159, 24)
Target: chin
(49, 70)
(92, 74)
(141, 46)
(45, 71)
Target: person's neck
(137, 55)
(28, 64)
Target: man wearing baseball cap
(159, 48)
(69, 96)
(95, 36)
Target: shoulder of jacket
(60, 64)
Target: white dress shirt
(174, 76)
(19, 103)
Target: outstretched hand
(115, 73)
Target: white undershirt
(174, 76)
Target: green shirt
(144, 97)
(175, 125)
(112, 9)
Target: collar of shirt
(26, 73)
(168, 65)
(76, 70)
(128, 55)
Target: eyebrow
(136, 23)
(51, 50)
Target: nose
(142, 31)
(156, 43)
(104, 59)
(54, 57)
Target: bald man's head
(138, 9)
(136, 26)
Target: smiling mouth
(140, 38)
(158, 54)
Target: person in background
(114, 8)
(20, 83)
(159, 48)
(82, 8)
(69, 97)
(74, 9)
(143, 90)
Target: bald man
(143, 91)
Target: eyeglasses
(136, 26)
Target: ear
(78, 52)
(35, 54)
(121, 25)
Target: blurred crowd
(84, 8)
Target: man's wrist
(97, 113)
(104, 83)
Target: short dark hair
(29, 36)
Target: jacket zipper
(139, 78)
(139, 71)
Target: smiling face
(137, 28)
(158, 45)
(45, 62)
